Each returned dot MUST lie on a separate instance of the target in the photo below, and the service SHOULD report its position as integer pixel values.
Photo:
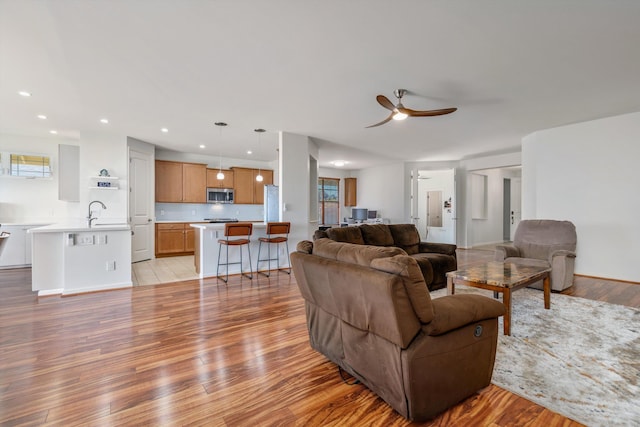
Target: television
(359, 214)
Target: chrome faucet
(89, 217)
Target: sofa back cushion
(346, 234)
(406, 236)
(344, 285)
(352, 253)
(538, 238)
(414, 284)
(376, 234)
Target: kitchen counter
(69, 258)
(207, 248)
(78, 227)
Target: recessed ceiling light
(164, 130)
(42, 117)
(249, 152)
(55, 132)
(105, 121)
(24, 93)
(339, 163)
(203, 146)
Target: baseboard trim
(607, 278)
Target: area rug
(581, 358)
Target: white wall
(489, 229)
(104, 151)
(383, 188)
(588, 173)
(295, 194)
(33, 200)
(36, 200)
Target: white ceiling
(314, 68)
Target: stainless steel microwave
(219, 195)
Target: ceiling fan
(399, 112)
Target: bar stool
(275, 231)
(233, 229)
(4, 236)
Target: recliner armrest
(455, 311)
(440, 248)
(561, 252)
(505, 251)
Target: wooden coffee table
(503, 277)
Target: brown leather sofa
(368, 311)
(434, 259)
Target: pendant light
(259, 177)
(220, 175)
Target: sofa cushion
(353, 253)
(346, 234)
(405, 236)
(407, 267)
(440, 265)
(376, 234)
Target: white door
(516, 205)
(435, 206)
(141, 207)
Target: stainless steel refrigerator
(271, 203)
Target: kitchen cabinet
(174, 239)
(247, 190)
(350, 192)
(214, 182)
(178, 182)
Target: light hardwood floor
(200, 352)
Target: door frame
(147, 150)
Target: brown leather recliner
(434, 259)
(369, 311)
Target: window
(328, 200)
(29, 165)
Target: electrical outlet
(193, 212)
(83, 239)
(161, 212)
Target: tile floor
(163, 270)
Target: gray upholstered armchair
(544, 242)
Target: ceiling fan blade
(384, 101)
(382, 122)
(416, 113)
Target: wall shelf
(95, 180)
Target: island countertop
(79, 226)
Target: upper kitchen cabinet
(248, 191)
(350, 192)
(214, 182)
(178, 182)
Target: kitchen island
(207, 248)
(73, 258)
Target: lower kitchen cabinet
(173, 239)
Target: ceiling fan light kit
(399, 112)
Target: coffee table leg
(450, 286)
(506, 300)
(547, 292)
